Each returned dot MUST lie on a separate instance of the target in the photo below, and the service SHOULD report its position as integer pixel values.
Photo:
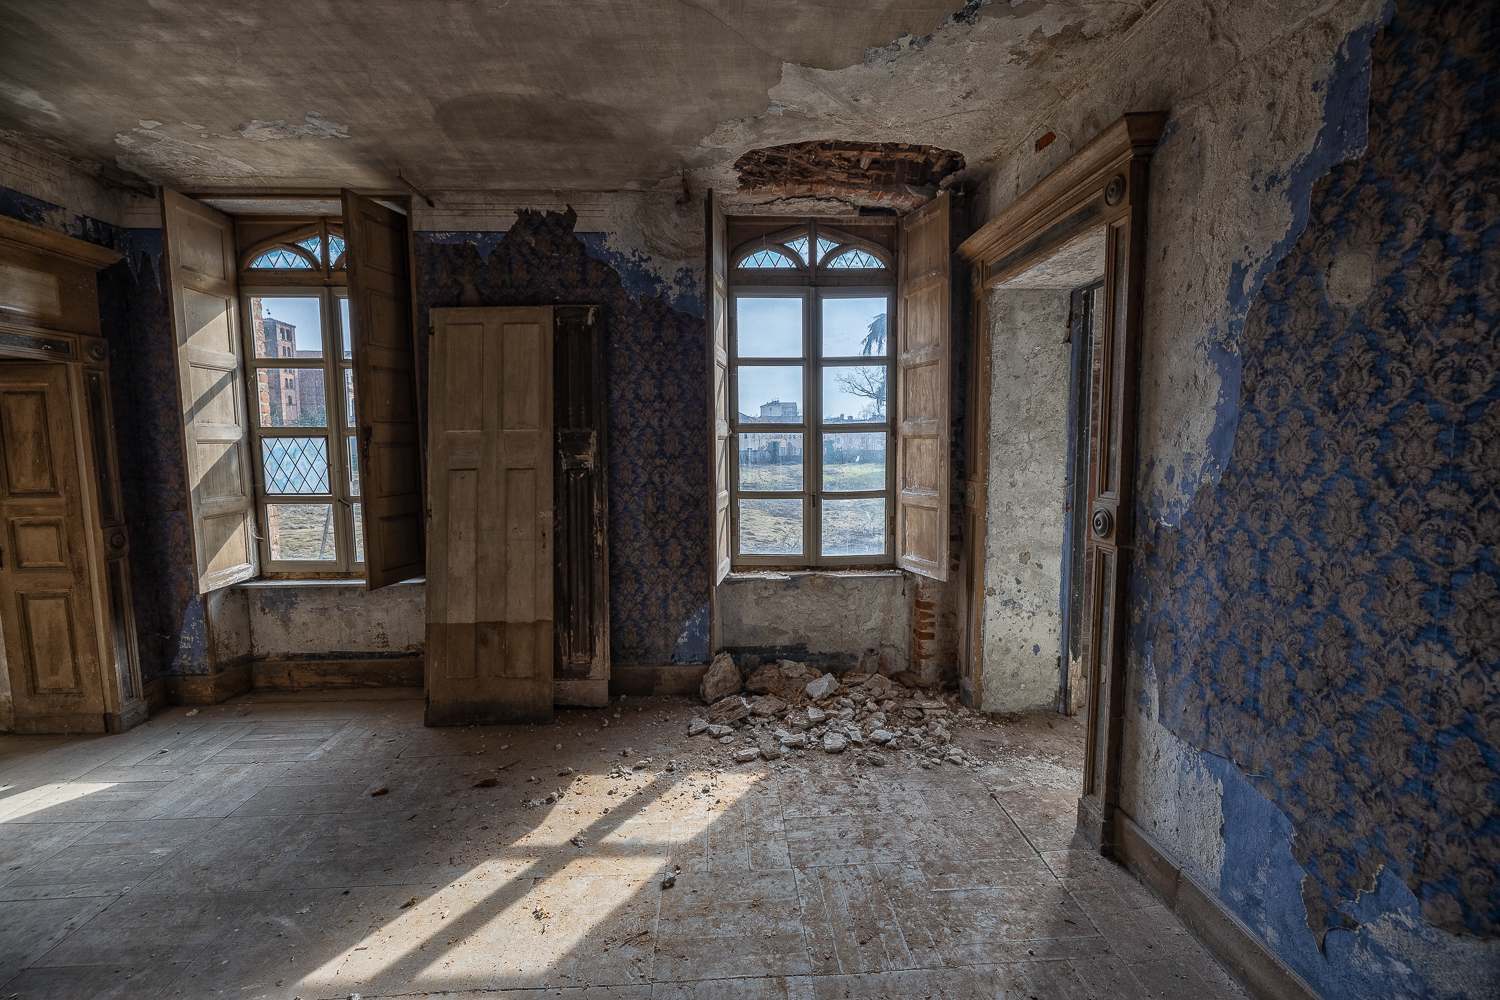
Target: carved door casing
(47, 603)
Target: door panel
(490, 588)
(46, 597)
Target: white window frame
(812, 426)
(338, 432)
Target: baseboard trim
(573, 692)
(640, 680)
(1239, 950)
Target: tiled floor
(239, 852)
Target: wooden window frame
(337, 431)
(813, 284)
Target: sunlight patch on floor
(559, 915)
(36, 799)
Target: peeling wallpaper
(658, 468)
(1318, 626)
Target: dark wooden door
(47, 596)
(581, 561)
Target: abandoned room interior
(885, 499)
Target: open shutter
(385, 392)
(201, 267)
(922, 392)
(718, 381)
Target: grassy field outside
(850, 527)
(302, 531)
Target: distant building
(288, 397)
(777, 412)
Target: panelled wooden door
(47, 600)
(385, 391)
(720, 523)
(490, 561)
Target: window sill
(349, 582)
(751, 573)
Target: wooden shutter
(201, 268)
(922, 392)
(385, 392)
(489, 592)
(718, 383)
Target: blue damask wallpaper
(658, 465)
(1327, 617)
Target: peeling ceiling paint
(472, 95)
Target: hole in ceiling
(895, 173)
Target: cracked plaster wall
(1027, 478)
(1264, 101)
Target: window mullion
(812, 458)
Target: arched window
(767, 258)
(302, 249)
(283, 259)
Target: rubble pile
(786, 709)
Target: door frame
(61, 325)
(1104, 184)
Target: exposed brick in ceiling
(898, 174)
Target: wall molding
(1239, 950)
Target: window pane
(359, 533)
(353, 467)
(853, 392)
(291, 397)
(335, 248)
(768, 327)
(770, 461)
(854, 462)
(344, 325)
(348, 397)
(767, 258)
(313, 245)
(295, 465)
(282, 260)
(770, 395)
(854, 326)
(285, 326)
(824, 246)
(854, 259)
(771, 527)
(799, 247)
(854, 527)
(301, 531)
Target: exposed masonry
(897, 175)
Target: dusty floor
(239, 852)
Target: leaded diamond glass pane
(854, 259)
(799, 247)
(297, 465)
(335, 248)
(767, 258)
(824, 246)
(282, 260)
(313, 245)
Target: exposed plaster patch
(316, 127)
(157, 155)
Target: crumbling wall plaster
(334, 619)
(1028, 478)
(827, 619)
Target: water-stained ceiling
(527, 93)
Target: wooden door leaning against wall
(490, 538)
